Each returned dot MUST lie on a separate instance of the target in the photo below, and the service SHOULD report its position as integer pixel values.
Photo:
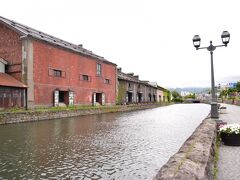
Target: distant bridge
(190, 100)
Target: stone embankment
(29, 116)
(235, 102)
(194, 160)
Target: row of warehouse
(37, 69)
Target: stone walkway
(229, 156)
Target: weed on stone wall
(216, 157)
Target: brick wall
(47, 57)
(11, 51)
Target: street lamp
(196, 42)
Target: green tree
(175, 94)
(176, 97)
(231, 91)
(223, 93)
(191, 96)
(238, 86)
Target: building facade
(166, 95)
(12, 92)
(159, 92)
(56, 72)
(132, 90)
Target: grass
(69, 108)
(216, 157)
(184, 158)
(231, 98)
(54, 109)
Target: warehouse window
(99, 69)
(107, 81)
(84, 77)
(56, 73)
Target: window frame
(107, 81)
(58, 73)
(99, 69)
(84, 77)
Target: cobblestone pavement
(229, 156)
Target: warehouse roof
(128, 77)
(7, 80)
(132, 78)
(30, 32)
(3, 61)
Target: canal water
(132, 145)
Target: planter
(230, 139)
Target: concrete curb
(194, 160)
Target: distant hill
(203, 84)
(228, 79)
(195, 90)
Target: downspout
(26, 102)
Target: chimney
(136, 76)
(80, 45)
(130, 74)
(119, 69)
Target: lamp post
(196, 42)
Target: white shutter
(94, 99)
(56, 98)
(103, 99)
(71, 98)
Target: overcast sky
(152, 38)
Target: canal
(132, 145)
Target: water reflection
(130, 145)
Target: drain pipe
(26, 104)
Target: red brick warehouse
(56, 72)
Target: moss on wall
(121, 92)
(166, 95)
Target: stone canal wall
(29, 116)
(194, 160)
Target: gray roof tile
(127, 77)
(28, 31)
